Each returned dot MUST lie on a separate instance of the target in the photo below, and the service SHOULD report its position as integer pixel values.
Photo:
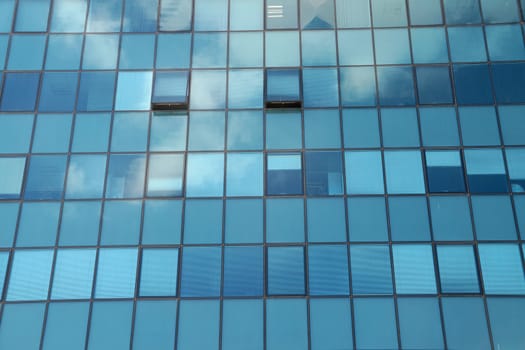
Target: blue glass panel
(502, 268)
(244, 221)
(171, 87)
(211, 15)
(204, 174)
(286, 324)
(155, 325)
(63, 52)
(328, 270)
(285, 268)
(467, 44)
(134, 91)
(73, 276)
(496, 11)
(245, 130)
(399, 127)
(506, 321)
(244, 174)
(21, 326)
(330, 324)
(371, 271)
(38, 224)
(505, 42)
(420, 323)
(450, 218)
(389, 13)
(396, 86)
(66, 326)
(425, 13)
(324, 173)
(206, 131)
(326, 220)
(472, 84)
(281, 14)
(360, 127)
(30, 268)
(11, 177)
(285, 220)
(203, 221)
(52, 133)
(209, 50)
(140, 16)
(282, 48)
(168, 132)
(284, 174)
(439, 126)
(375, 323)
(91, 132)
(485, 170)
(367, 219)
(318, 47)
(322, 129)
(457, 269)
(462, 12)
(31, 15)
(433, 85)
(116, 273)
(392, 46)
(355, 47)
(121, 222)
(165, 175)
(208, 89)
(6, 15)
(493, 218)
(507, 80)
(283, 85)
(516, 161)
(519, 205)
(4, 259)
(201, 272)
(175, 15)
(444, 171)
(429, 45)
(80, 223)
(353, 13)
(4, 40)
(94, 44)
(246, 14)
(246, 49)
(8, 218)
(479, 126)
(96, 91)
(243, 271)
(130, 132)
(20, 90)
(320, 87)
(198, 318)
(173, 50)
(364, 172)
(136, 51)
(104, 15)
(110, 325)
(414, 269)
(158, 274)
(68, 15)
(125, 177)
(318, 15)
(465, 323)
(408, 218)
(242, 324)
(404, 172)
(45, 179)
(162, 222)
(512, 124)
(245, 88)
(86, 176)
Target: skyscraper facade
(262, 174)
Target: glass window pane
(467, 44)
(328, 270)
(136, 51)
(326, 220)
(462, 12)
(116, 273)
(133, 91)
(495, 11)
(414, 269)
(353, 13)
(371, 271)
(457, 269)
(404, 172)
(451, 218)
(389, 13)
(104, 15)
(367, 219)
(6, 15)
(472, 84)
(283, 130)
(203, 221)
(283, 85)
(171, 87)
(208, 89)
(175, 15)
(58, 92)
(162, 222)
(110, 326)
(245, 88)
(93, 44)
(140, 16)
(168, 132)
(479, 126)
(319, 15)
(321, 87)
(505, 42)
(324, 173)
(284, 174)
(38, 224)
(80, 223)
(204, 175)
(493, 218)
(31, 15)
(20, 91)
(165, 175)
(433, 85)
(439, 126)
(408, 218)
(502, 268)
(244, 174)
(21, 325)
(392, 46)
(66, 326)
(68, 16)
(355, 47)
(245, 130)
(285, 268)
(244, 221)
(91, 132)
(45, 179)
(52, 133)
(201, 272)
(155, 323)
(425, 12)
(286, 324)
(330, 324)
(11, 177)
(211, 15)
(209, 50)
(360, 128)
(485, 170)
(125, 177)
(506, 321)
(196, 318)
(399, 127)
(282, 48)
(73, 276)
(173, 50)
(121, 222)
(505, 78)
(375, 323)
(444, 171)
(15, 132)
(8, 218)
(246, 14)
(86, 176)
(516, 165)
(281, 14)
(285, 220)
(242, 324)
(358, 86)
(63, 52)
(396, 86)
(243, 271)
(206, 131)
(158, 274)
(420, 323)
(30, 268)
(322, 129)
(96, 91)
(318, 47)
(429, 45)
(246, 48)
(130, 132)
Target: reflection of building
(305, 181)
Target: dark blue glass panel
(45, 179)
(158, 274)
(140, 16)
(155, 325)
(68, 15)
(486, 171)
(242, 323)
(409, 218)
(367, 219)
(508, 82)
(73, 275)
(86, 176)
(203, 221)
(358, 86)
(375, 323)
(121, 222)
(502, 268)
(283, 85)
(414, 269)
(110, 326)
(201, 272)
(286, 324)
(285, 269)
(21, 325)
(472, 84)
(52, 133)
(20, 91)
(58, 92)
(104, 15)
(125, 177)
(244, 221)
(11, 177)
(396, 86)
(330, 324)
(31, 15)
(493, 218)
(80, 223)
(284, 174)
(457, 269)
(66, 326)
(171, 87)
(507, 322)
(433, 85)
(321, 88)
(162, 222)
(96, 91)
(450, 218)
(243, 271)
(116, 273)
(63, 52)
(420, 322)
(328, 270)
(371, 271)
(173, 50)
(326, 220)
(175, 15)
(462, 12)
(444, 171)
(512, 124)
(285, 220)
(324, 173)
(196, 319)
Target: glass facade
(262, 174)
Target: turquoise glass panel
(404, 172)
(320, 87)
(502, 269)
(204, 174)
(371, 271)
(353, 13)
(158, 274)
(73, 276)
(173, 50)
(201, 272)
(45, 179)
(80, 223)
(326, 220)
(30, 268)
(439, 126)
(408, 218)
(165, 175)
(203, 221)
(133, 91)
(367, 219)
(389, 13)
(26, 52)
(210, 15)
(414, 269)
(162, 222)
(8, 218)
(21, 326)
(457, 269)
(96, 91)
(429, 45)
(286, 324)
(244, 221)
(392, 46)
(318, 47)
(121, 222)
(125, 177)
(516, 168)
(425, 12)
(245, 130)
(206, 131)
(198, 318)
(479, 126)
(68, 16)
(91, 132)
(52, 133)
(110, 326)
(282, 48)
(360, 127)
(11, 178)
(328, 270)
(242, 324)
(355, 47)
(246, 48)
(244, 174)
(330, 324)
(285, 269)
(285, 220)
(93, 44)
(322, 129)
(464, 12)
(450, 218)
(283, 130)
(168, 132)
(136, 51)
(155, 325)
(209, 50)
(86, 176)
(399, 127)
(175, 15)
(208, 89)
(243, 271)
(6, 18)
(245, 88)
(38, 224)
(66, 326)
(116, 272)
(140, 16)
(104, 15)
(506, 322)
(246, 14)
(63, 51)
(375, 323)
(420, 323)
(493, 218)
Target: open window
(170, 91)
(283, 88)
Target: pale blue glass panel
(467, 44)
(116, 272)
(367, 219)
(121, 222)
(52, 133)
(479, 126)
(375, 323)
(317, 15)
(125, 177)
(134, 91)
(505, 42)
(73, 276)
(100, 51)
(204, 174)
(4, 259)
(66, 326)
(322, 129)
(246, 15)
(8, 218)
(457, 269)
(168, 132)
(64, 51)
(136, 51)
(210, 15)
(203, 221)
(246, 49)
(439, 126)
(318, 47)
(11, 177)
(30, 274)
(201, 272)
(355, 47)
(245, 130)
(38, 224)
(408, 218)
(243, 271)
(208, 89)
(86, 176)
(414, 269)
(425, 12)
(420, 323)
(244, 221)
(26, 52)
(404, 172)
(497, 11)
(155, 325)
(465, 323)
(158, 274)
(516, 168)
(244, 174)
(175, 15)
(282, 48)
(162, 222)
(392, 46)
(324, 173)
(360, 127)
(68, 15)
(320, 87)
(209, 50)
(330, 324)
(165, 175)
(198, 324)
(173, 50)
(285, 220)
(80, 223)
(462, 12)
(326, 220)
(502, 269)
(486, 171)
(110, 325)
(328, 270)
(353, 13)
(396, 86)
(281, 14)
(284, 174)
(245, 88)
(171, 87)
(130, 132)
(399, 127)
(286, 324)
(389, 13)
(507, 321)
(493, 218)
(91, 133)
(429, 45)
(32, 15)
(104, 15)
(140, 16)
(242, 325)
(6, 15)
(283, 130)
(371, 271)
(21, 326)
(20, 91)
(58, 92)
(45, 179)
(450, 218)
(285, 269)
(96, 91)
